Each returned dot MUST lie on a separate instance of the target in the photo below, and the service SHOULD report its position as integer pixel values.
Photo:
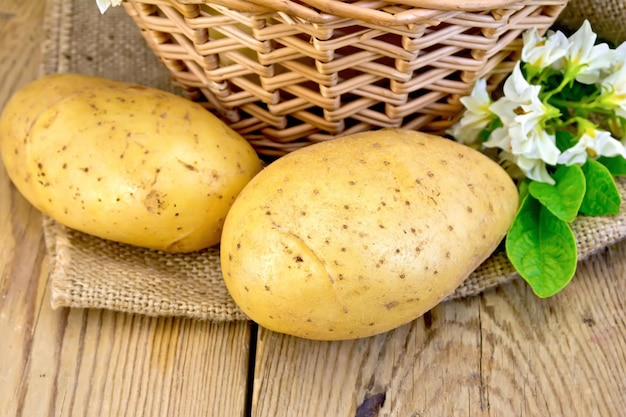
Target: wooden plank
(88, 362)
(101, 363)
(506, 352)
(21, 244)
(407, 366)
(109, 364)
(21, 35)
(563, 356)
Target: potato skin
(359, 235)
(124, 162)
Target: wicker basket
(287, 73)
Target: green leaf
(565, 140)
(550, 80)
(565, 197)
(602, 196)
(523, 188)
(578, 92)
(542, 248)
(616, 164)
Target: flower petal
(541, 52)
(476, 117)
(592, 144)
(585, 58)
(535, 169)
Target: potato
(359, 235)
(124, 162)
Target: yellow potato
(124, 162)
(359, 235)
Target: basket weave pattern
(285, 74)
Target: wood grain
(87, 362)
(110, 364)
(564, 355)
(21, 246)
(505, 352)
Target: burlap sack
(88, 272)
(607, 18)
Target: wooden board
(100, 363)
(503, 353)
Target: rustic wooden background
(503, 353)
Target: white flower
(541, 52)
(522, 114)
(103, 5)
(535, 144)
(477, 115)
(586, 59)
(532, 168)
(592, 144)
(613, 86)
(614, 91)
(619, 54)
(521, 103)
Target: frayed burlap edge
(88, 272)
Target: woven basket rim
(324, 11)
(283, 85)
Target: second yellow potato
(123, 162)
